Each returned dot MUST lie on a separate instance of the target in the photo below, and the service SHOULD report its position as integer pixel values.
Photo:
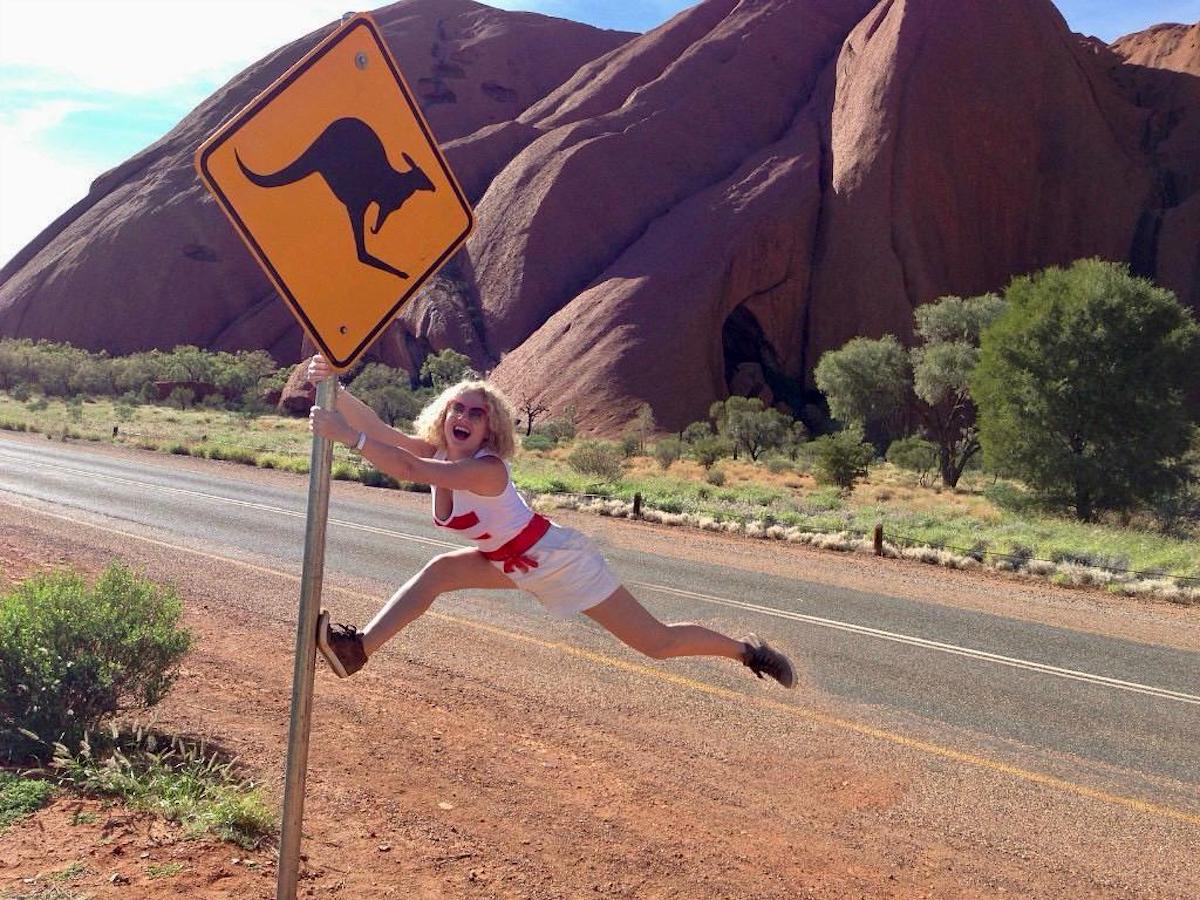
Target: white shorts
(571, 575)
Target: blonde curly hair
(502, 433)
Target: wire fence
(1017, 558)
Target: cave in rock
(752, 365)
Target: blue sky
(84, 84)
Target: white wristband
(361, 442)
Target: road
(1081, 713)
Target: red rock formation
(934, 147)
(710, 205)
(1175, 48)
(1161, 74)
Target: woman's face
(466, 425)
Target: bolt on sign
(334, 181)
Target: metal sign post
(333, 179)
(306, 652)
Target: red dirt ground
(454, 766)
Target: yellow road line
(611, 662)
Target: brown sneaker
(760, 657)
(341, 645)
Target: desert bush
(21, 797)
(20, 392)
(914, 454)
(181, 398)
(715, 477)
(601, 459)
(557, 430)
(667, 451)
(778, 465)
(707, 450)
(538, 441)
(842, 458)
(72, 654)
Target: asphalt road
(1074, 705)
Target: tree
(386, 391)
(869, 383)
(949, 333)
(641, 428)
(697, 431)
(749, 426)
(1082, 384)
(866, 383)
(446, 368)
(531, 410)
(842, 458)
(708, 450)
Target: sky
(85, 84)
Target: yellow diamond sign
(335, 182)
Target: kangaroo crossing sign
(336, 184)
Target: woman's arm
(487, 476)
(362, 418)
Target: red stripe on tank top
(460, 523)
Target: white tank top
(491, 522)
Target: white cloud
(36, 186)
(148, 46)
(123, 50)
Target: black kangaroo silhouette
(352, 160)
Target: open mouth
(460, 433)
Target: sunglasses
(474, 413)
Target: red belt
(513, 553)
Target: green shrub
(715, 477)
(667, 451)
(707, 450)
(538, 441)
(914, 454)
(558, 430)
(598, 458)
(74, 408)
(37, 404)
(182, 398)
(283, 463)
(344, 471)
(72, 654)
(372, 477)
(842, 458)
(777, 465)
(20, 797)
(20, 392)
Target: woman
(462, 442)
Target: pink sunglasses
(474, 413)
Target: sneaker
(761, 658)
(341, 645)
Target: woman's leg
(632, 623)
(453, 571)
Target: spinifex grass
(181, 781)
